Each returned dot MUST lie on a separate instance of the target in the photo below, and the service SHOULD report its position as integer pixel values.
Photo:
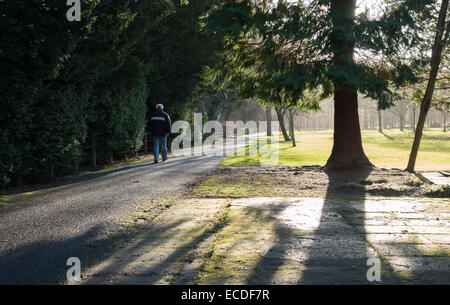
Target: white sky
(373, 6)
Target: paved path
(168, 251)
(286, 241)
(440, 178)
(40, 231)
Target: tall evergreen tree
(56, 75)
(297, 47)
(42, 122)
(177, 51)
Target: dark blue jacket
(160, 124)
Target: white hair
(159, 107)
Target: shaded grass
(233, 254)
(389, 150)
(284, 181)
(437, 191)
(239, 187)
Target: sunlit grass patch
(289, 155)
(392, 148)
(389, 149)
(237, 187)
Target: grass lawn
(388, 150)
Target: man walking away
(160, 126)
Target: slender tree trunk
(146, 142)
(93, 152)
(290, 119)
(366, 123)
(372, 121)
(380, 122)
(269, 120)
(110, 157)
(291, 126)
(282, 125)
(444, 114)
(347, 147)
(402, 119)
(436, 55)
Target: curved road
(38, 233)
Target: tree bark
(436, 56)
(444, 114)
(282, 125)
(347, 147)
(291, 126)
(269, 120)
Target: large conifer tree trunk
(347, 148)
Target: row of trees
(370, 117)
(226, 106)
(77, 89)
(296, 53)
(74, 91)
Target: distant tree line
(226, 106)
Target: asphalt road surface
(39, 233)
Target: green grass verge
(238, 187)
(389, 150)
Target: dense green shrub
(64, 83)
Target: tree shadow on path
(325, 243)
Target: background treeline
(226, 106)
(77, 92)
